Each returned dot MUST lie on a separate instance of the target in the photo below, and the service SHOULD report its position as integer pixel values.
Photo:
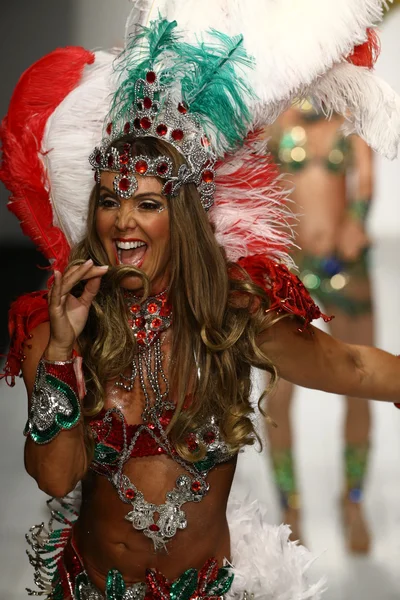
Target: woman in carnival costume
(170, 281)
(332, 180)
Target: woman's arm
(316, 360)
(58, 465)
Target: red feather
(366, 55)
(38, 93)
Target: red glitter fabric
(284, 289)
(111, 435)
(65, 373)
(26, 313)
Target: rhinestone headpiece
(167, 120)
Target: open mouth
(130, 252)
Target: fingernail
(104, 267)
(88, 262)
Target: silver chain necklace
(158, 522)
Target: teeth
(128, 245)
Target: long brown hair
(217, 314)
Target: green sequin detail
(318, 279)
(104, 455)
(285, 478)
(356, 461)
(61, 421)
(115, 586)
(185, 586)
(222, 584)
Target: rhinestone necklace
(148, 321)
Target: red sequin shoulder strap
(284, 289)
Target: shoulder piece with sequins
(26, 313)
(284, 289)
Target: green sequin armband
(359, 209)
(54, 403)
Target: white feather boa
(265, 563)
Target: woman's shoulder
(284, 290)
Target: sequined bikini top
(112, 434)
(290, 147)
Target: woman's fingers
(55, 292)
(82, 273)
(90, 291)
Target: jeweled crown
(155, 112)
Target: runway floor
(318, 418)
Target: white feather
(292, 42)
(71, 134)
(343, 90)
(266, 564)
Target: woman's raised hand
(68, 314)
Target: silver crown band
(169, 121)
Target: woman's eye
(150, 206)
(107, 202)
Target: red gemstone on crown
(135, 308)
(136, 123)
(124, 171)
(147, 103)
(168, 188)
(109, 129)
(177, 135)
(124, 184)
(151, 77)
(130, 494)
(162, 168)
(98, 158)
(145, 123)
(196, 486)
(162, 129)
(141, 167)
(156, 323)
(124, 159)
(110, 160)
(127, 127)
(209, 437)
(182, 108)
(152, 308)
(208, 176)
(154, 527)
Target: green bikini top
(290, 149)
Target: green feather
(211, 75)
(213, 88)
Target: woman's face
(136, 231)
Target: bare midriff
(106, 540)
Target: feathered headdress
(231, 68)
